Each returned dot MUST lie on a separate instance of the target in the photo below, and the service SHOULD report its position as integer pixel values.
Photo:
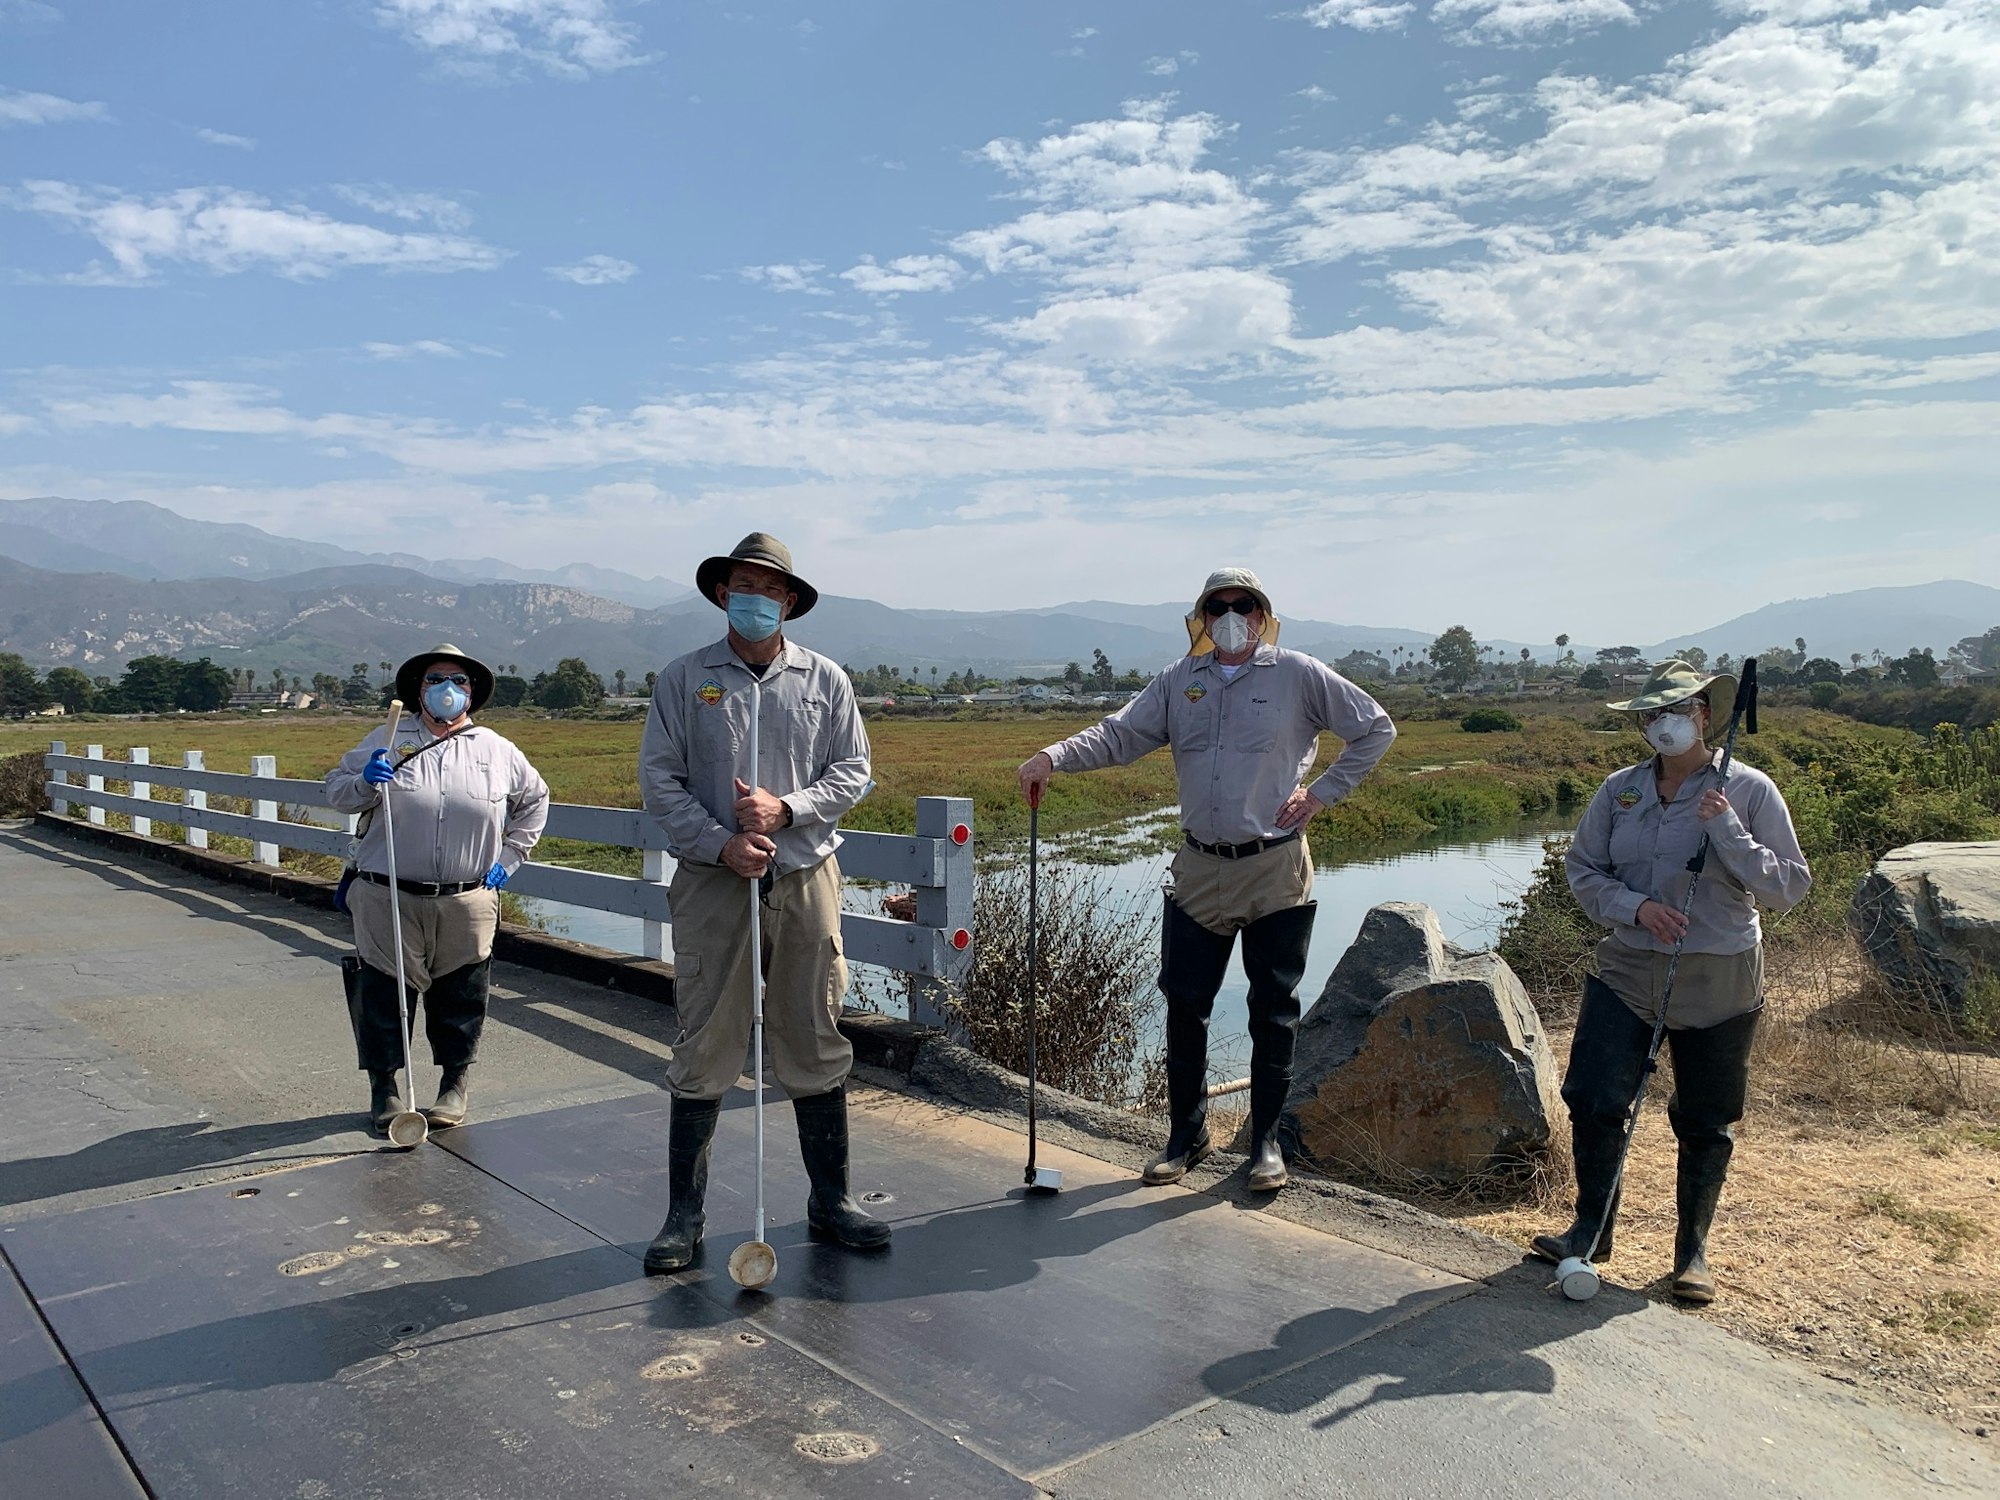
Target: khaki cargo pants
(1227, 895)
(805, 977)
(441, 934)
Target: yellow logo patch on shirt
(1195, 692)
(1629, 798)
(406, 748)
(710, 692)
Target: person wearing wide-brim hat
(1628, 866)
(469, 808)
(1243, 719)
(773, 827)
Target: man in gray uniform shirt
(734, 828)
(1243, 719)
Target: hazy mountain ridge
(146, 541)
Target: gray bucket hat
(766, 551)
(1199, 643)
(1675, 682)
(410, 675)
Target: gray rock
(1422, 1060)
(1929, 917)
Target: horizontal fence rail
(936, 862)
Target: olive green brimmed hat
(765, 550)
(1675, 682)
(410, 677)
(1199, 643)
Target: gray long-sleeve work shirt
(1631, 848)
(1241, 745)
(472, 802)
(812, 751)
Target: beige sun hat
(410, 675)
(1199, 643)
(1675, 682)
(766, 551)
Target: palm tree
(386, 669)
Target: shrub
(1545, 936)
(1489, 721)
(21, 779)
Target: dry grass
(1860, 1231)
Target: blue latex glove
(497, 876)
(378, 770)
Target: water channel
(1463, 879)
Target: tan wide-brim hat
(410, 677)
(1675, 682)
(1199, 643)
(766, 551)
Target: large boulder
(1422, 1060)
(1929, 917)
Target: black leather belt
(1239, 851)
(425, 887)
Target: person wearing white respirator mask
(1628, 866)
(469, 809)
(1243, 720)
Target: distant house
(1961, 674)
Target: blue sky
(1535, 315)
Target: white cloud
(1167, 65)
(1181, 317)
(228, 231)
(20, 108)
(411, 208)
(426, 348)
(224, 138)
(1340, 232)
(908, 273)
(596, 270)
(788, 277)
(1511, 20)
(570, 38)
(13, 423)
(1362, 15)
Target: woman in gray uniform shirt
(1628, 868)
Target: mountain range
(94, 584)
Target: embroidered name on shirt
(710, 692)
(1629, 798)
(1195, 692)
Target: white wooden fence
(936, 862)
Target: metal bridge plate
(405, 1324)
(51, 1442)
(1038, 1329)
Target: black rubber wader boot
(1711, 1082)
(1192, 961)
(1606, 1058)
(690, 1132)
(831, 1212)
(378, 1037)
(1274, 958)
(454, 1019)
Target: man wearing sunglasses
(1243, 721)
(469, 807)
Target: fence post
(264, 765)
(143, 790)
(95, 782)
(948, 906)
(653, 935)
(196, 797)
(59, 805)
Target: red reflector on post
(961, 940)
(960, 833)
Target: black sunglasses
(458, 678)
(1215, 609)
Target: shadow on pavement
(159, 1151)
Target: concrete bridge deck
(215, 1284)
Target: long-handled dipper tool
(1038, 1179)
(1576, 1276)
(409, 1128)
(753, 1264)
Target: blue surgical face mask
(754, 617)
(445, 701)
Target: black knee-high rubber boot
(1192, 961)
(690, 1131)
(454, 1019)
(1595, 1148)
(1695, 1198)
(378, 1038)
(831, 1212)
(1607, 1058)
(1274, 959)
(1711, 1085)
